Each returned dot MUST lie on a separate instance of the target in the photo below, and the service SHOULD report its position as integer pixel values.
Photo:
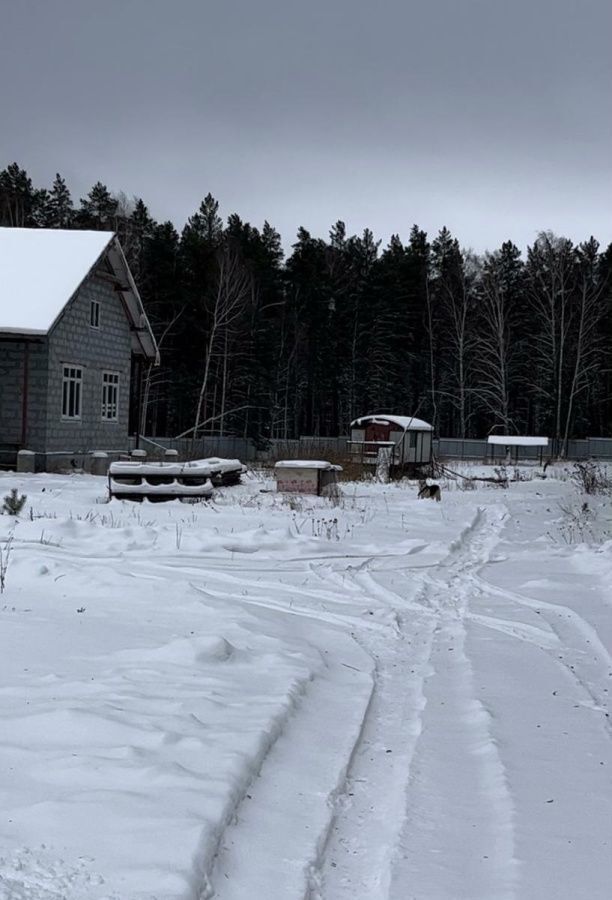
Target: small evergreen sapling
(13, 503)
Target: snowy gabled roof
(42, 268)
(514, 440)
(406, 423)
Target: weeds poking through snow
(43, 515)
(5, 555)
(294, 502)
(323, 528)
(327, 528)
(502, 475)
(576, 527)
(47, 540)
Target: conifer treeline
(256, 345)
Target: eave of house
(22, 334)
(143, 340)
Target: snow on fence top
(41, 269)
(513, 440)
(406, 423)
(306, 464)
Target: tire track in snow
(590, 667)
(371, 848)
(276, 837)
(545, 639)
(356, 861)
(458, 837)
(277, 809)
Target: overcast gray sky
(488, 116)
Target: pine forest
(262, 344)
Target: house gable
(93, 350)
(43, 269)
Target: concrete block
(26, 461)
(99, 462)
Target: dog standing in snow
(429, 491)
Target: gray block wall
(11, 381)
(96, 350)
(12, 368)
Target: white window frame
(111, 382)
(72, 392)
(94, 314)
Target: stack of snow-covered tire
(194, 480)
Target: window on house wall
(72, 391)
(413, 438)
(94, 314)
(110, 396)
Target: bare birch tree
(495, 359)
(588, 314)
(453, 290)
(149, 381)
(551, 271)
(225, 306)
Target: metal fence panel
(313, 447)
(456, 448)
(227, 447)
(601, 448)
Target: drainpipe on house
(24, 403)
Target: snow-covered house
(73, 337)
(405, 439)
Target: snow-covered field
(275, 698)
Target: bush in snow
(13, 504)
(590, 478)
(576, 525)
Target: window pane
(72, 380)
(94, 314)
(110, 396)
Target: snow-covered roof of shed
(406, 423)
(42, 268)
(514, 440)
(306, 464)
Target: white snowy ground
(388, 699)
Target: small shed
(305, 476)
(513, 446)
(408, 440)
